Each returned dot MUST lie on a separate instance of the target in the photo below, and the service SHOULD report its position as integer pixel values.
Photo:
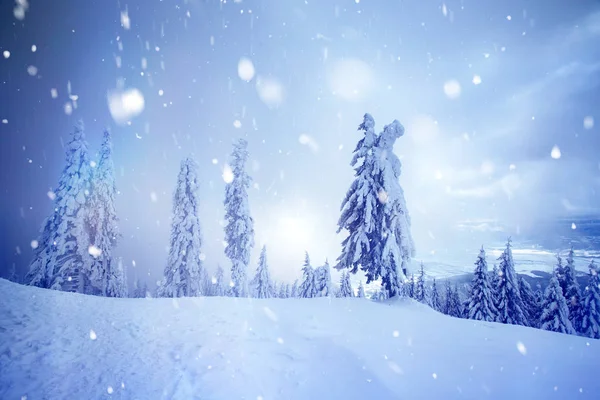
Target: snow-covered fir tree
(434, 298)
(101, 219)
(183, 272)
(262, 280)
(555, 313)
(307, 288)
(288, 290)
(274, 288)
(572, 292)
(509, 303)
(374, 211)
(206, 283)
(361, 291)
(220, 286)
(239, 231)
(420, 286)
(590, 310)
(294, 293)
(345, 285)
(481, 299)
(323, 280)
(64, 245)
(532, 307)
(409, 287)
(117, 281)
(393, 227)
(381, 294)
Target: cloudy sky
(485, 89)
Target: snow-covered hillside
(56, 345)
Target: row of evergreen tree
(503, 296)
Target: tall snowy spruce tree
(434, 299)
(345, 285)
(307, 288)
(452, 306)
(183, 272)
(63, 246)
(374, 211)
(510, 306)
(481, 300)
(590, 310)
(239, 231)
(101, 220)
(559, 270)
(555, 313)
(262, 281)
(572, 292)
(420, 286)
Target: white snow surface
(233, 348)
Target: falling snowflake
(92, 334)
(280, 340)
(68, 107)
(555, 153)
(6, 53)
(227, 174)
(588, 122)
(270, 91)
(34, 244)
(237, 124)
(153, 197)
(215, 161)
(512, 167)
(573, 226)
(33, 48)
(93, 164)
(452, 89)
(51, 195)
(32, 70)
(434, 375)
(109, 390)
(125, 21)
(309, 141)
(521, 347)
(124, 105)
(395, 334)
(476, 80)
(5, 121)
(246, 69)
(54, 93)
(161, 92)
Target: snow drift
(56, 345)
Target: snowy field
(56, 345)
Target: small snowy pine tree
(183, 272)
(361, 291)
(294, 294)
(420, 286)
(281, 294)
(345, 285)
(590, 310)
(511, 309)
(117, 281)
(323, 280)
(555, 314)
(481, 300)
(572, 292)
(262, 281)
(434, 299)
(220, 288)
(239, 231)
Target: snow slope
(56, 345)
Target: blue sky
(326, 64)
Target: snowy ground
(61, 345)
